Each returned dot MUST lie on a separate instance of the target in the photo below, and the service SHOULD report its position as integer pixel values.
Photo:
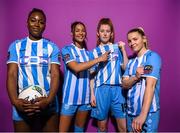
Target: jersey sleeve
(92, 57)
(154, 61)
(55, 56)
(67, 55)
(12, 54)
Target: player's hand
(25, 106)
(104, 57)
(138, 123)
(41, 102)
(121, 45)
(139, 72)
(93, 101)
(21, 104)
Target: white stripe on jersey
(39, 69)
(72, 88)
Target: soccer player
(106, 94)
(76, 88)
(34, 61)
(142, 78)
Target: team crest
(66, 57)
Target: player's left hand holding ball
(42, 102)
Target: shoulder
(16, 42)
(49, 42)
(153, 55)
(68, 47)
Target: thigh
(82, 114)
(81, 118)
(64, 123)
(52, 123)
(67, 113)
(121, 124)
(21, 126)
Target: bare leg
(52, 124)
(121, 123)
(81, 118)
(64, 123)
(102, 125)
(21, 126)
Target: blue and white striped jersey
(33, 59)
(109, 72)
(76, 90)
(136, 93)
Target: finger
(27, 105)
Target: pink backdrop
(160, 19)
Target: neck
(105, 43)
(141, 52)
(35, 38)
(79, 45)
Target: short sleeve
(92, 57)
(67, 55)
(153, 60)
(55, 56)
(12, 54)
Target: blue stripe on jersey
(33, 66)
(23, 67)
(45, 68)
(68, 88)
(76, 93)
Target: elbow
(76, 70)
(124, 85)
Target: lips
(36, 30)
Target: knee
(102, 128)
(122, 128)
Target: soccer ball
(32, 92)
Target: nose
(37, 23)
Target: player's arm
(43, 102)
(11, 83)
(124, 54)
(148, 96)
(78, 67)
(55, 76)
(128, 82)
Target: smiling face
(105, 34)
(136, 42)
(36, 25)
(79, 34)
